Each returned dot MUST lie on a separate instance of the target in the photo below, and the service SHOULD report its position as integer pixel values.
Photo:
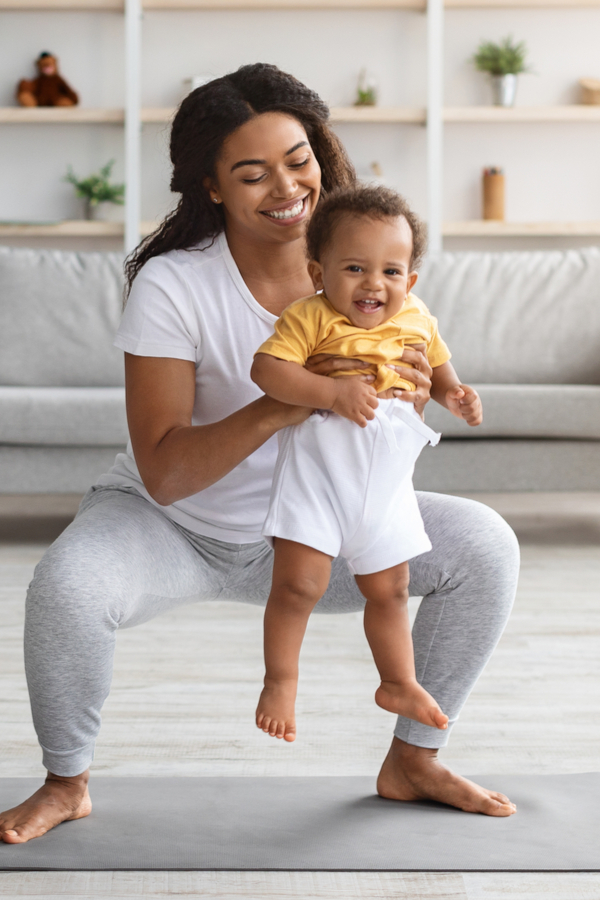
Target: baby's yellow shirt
(312, 326)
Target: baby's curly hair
(372, 201)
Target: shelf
(491, 114)
(117, 5)
(284, 4)
(521, 4)
(63, 115)
(381, 114)
(41, 5)
(339, 114)
(480, 228)
(74, 228)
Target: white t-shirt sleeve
(158, 318)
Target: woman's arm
(291, 383)
(176, 459)
(460, 399)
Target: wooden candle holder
(493, 194)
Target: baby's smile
(368, 305)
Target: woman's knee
(471, 543)
(73, 580)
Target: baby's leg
(300, 578)
(388, 632)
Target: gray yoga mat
(319, 824)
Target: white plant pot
(505, 89)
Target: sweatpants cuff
(68, 762)
(419, 735)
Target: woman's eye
(254, 180)
(299, 165)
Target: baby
(343, 479)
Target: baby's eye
(354, 268)
(392, 272)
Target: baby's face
(365, 270)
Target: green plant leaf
(504, 58)
(96, 188)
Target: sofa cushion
(63, 416)
(519, 317)
(58, 315)
(527, 411)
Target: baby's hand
(355, 400)
(464, 403)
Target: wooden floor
(186, 685)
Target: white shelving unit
(433, 117)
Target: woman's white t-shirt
(195, 305)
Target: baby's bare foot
(409, 699)
(275, 713)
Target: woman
(178, 517)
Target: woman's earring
(214, 200)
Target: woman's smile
(288, 213)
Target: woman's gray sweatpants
(122, 562)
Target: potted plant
(96, 189)
(504, 62)
(366, 91)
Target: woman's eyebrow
(263, 162)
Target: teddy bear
(48, 89)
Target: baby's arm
(291, 383)
(462, 401)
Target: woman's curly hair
(372, 201)
(205, 119)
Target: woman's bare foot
(412, 701)
(58, 800)
(275, 713)
(415, 773)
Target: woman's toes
(11, 836)
(501, 805)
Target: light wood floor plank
(235, 885)
(532, 886)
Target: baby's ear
(411, 281)
(315, 271)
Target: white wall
(552, 170)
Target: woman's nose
(285, 185)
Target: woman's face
(268, 179)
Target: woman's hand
(322, 364)
(419, 375)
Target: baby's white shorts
(347, 490)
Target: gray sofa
(523, 327)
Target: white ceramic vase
(505, 89)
